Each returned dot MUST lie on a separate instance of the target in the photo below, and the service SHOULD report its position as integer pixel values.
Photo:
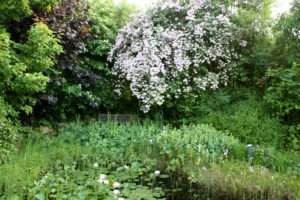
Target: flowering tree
(173, 50)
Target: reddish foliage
(69, 19)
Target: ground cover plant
(212, 86)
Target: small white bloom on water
(96, 165)
(116, 192)
(126, 167)
(116, 184)
(106, 182)
(157, 172)
(102, 176)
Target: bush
(174, 50)
(249, 121)
(283, 94)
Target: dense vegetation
(214, 87)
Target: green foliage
(198, 144)
(81, 83)
(22, 72)
(8, 132)
(254, 20)
(23, 65)
(150, 161)
(283, 94)
(39, 51)
(237, 180)
(287, 43)
(43, 5)
(68, 183)
(247, 120)
(11, 10)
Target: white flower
(126, 167)
(243, 43)
(157, 172)
(100, 181)
(102, 176)
(190, 15)
(96, 165)
(106, 182)
(116, 185)
(296, 33)
(116, 192)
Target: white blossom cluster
(296, 33)
(175, 49)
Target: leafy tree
(23, 69)
(81, 82)
(254, 20)
(23, 65)
(284, 95)
(11, 10)
(283, 76)
(287, 33)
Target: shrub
(249, 121)
(283, 94)
(173, 50)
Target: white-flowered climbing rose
(174, 49)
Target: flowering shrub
(296, 33)
(175, 49)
